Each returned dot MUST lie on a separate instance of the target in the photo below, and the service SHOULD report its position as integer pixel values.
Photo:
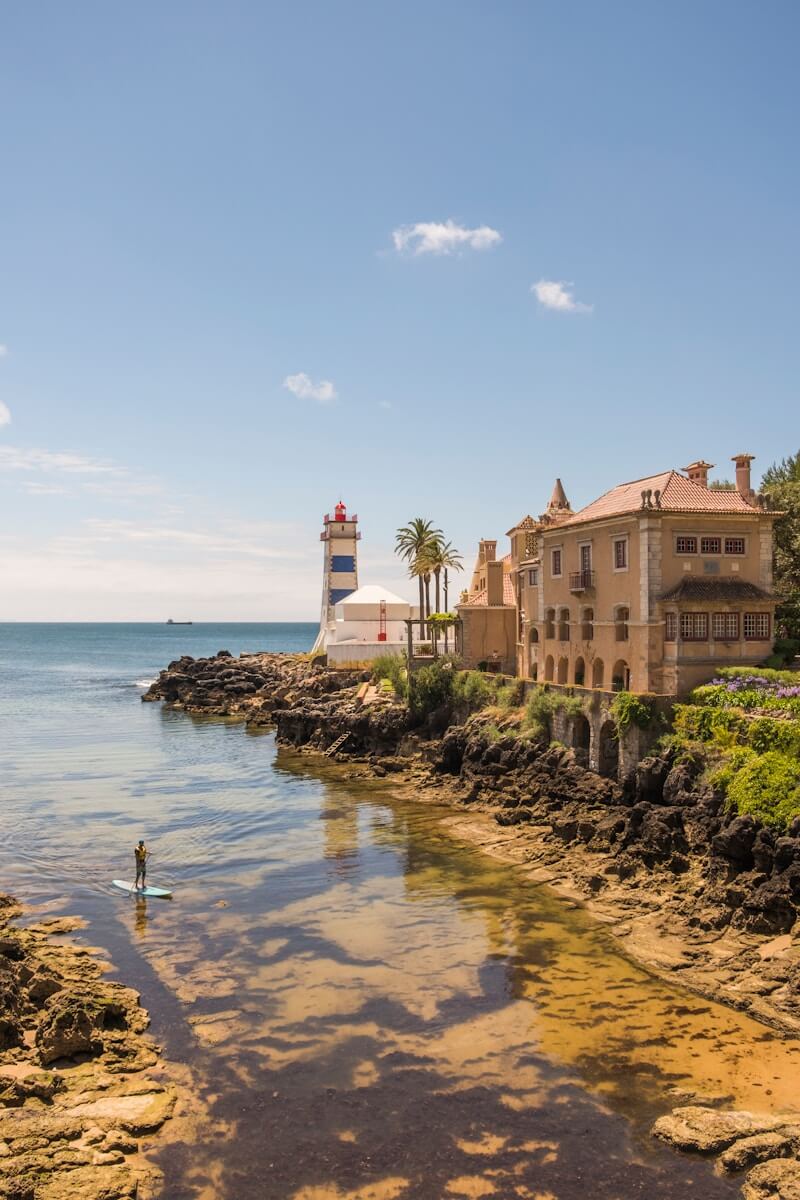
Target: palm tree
(443, 556)
(414, 542)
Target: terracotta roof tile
(678, 494)
(715, 589)
(481, 598)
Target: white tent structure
(367, 623)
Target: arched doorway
(563, 670)
(580, 672)
(597, 673)
(549, 623)
(587, 624)
(620, 676)
(563, 625)
(548, 669)
(581, 733)
(608, 751)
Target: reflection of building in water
(341, 834)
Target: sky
(258, 257)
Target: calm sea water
(365, 1009)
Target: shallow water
(370, 1009)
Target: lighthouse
(340, 538)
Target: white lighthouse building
(340, 537)
(356, 624)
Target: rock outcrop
(74, 1098)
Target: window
(734, 545)
(756, 627)
(621, 554)
(586, 557)
(671, 627)
(533, 577)
(555, 563)
(725, 627)
(621, 618)
(686, 545)
(711, 545)
(694, 627)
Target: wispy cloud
(5, 415)
(3, 350)
(16, 458)
(43, 489)
(302, 386)
(384, 404)
(555, 294)
(443, 237)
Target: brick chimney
(743, 476)
(494, 582)
(698, 472)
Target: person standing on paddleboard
(141, 854)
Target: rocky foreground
(76, 1097)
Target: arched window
(621, 617)
(597, 673)
(587, 624)
(534, 636)
(549, 623)
(548, 669)
(563, 670)
(563, 625)
(580, 672)
(620, 676)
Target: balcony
(581, 581)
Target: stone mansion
(650, 588)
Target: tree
(781, 483)
(414, 542)
(442, 556)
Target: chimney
(488, 550)
(698, 472)
(743, 476)
(494, 582)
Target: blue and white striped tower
(340, 569)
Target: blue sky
(201, 202)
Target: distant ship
(171, 622)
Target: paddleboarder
(141, 853)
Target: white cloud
(443, 237)
(15, 458)
(5, 415)
(304, 388)
(43, 489)
(555, 294)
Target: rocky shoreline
(78, 1075)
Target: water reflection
(369, 1009)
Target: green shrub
(510, 695)
(474, 690)
(391, 667)
(628, 709)
(539, 712)
(767, 786)
(769, 733)
(726, 769)
(431, 688)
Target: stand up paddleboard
(153, 893)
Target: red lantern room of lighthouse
(340, 512)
